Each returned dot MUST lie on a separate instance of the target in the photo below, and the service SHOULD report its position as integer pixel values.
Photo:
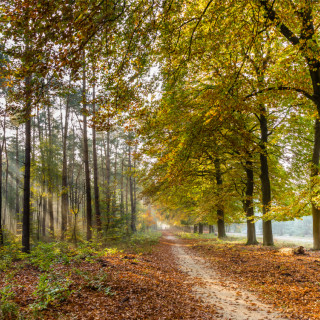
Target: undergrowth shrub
(51, 289)
(8, 308)
(45, 255)
(10, 253)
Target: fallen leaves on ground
(116, 286)
(291, 283)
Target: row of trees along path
(224, 99)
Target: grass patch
(138, 243)
(187, 235)
(212, 238)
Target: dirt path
(230, 300)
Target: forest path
(230, 301)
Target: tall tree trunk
(43, 176)
(27, 167)
(133, 209)
(108, 180)
(135, 189)
(121, 190)
(314, 175)
(220, 210)
(248, 205)
(50, 176)
(17, 175)
(64, 193)
(86, 155)
(95, 165)
(127, 202)
(200, 228)
(314, 69)
(6, 176)
(73, 184)
(264, 177)
(1, 227)
(44, 212)
(115, 181)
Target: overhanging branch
(283, 88)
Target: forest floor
(258, 276)
(60, 282)
(175, 278)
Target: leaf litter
(289, 282)
(115, 286)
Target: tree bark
(17, 176)
(121, 191)
(86, 156)
(127, 203)
(220, 210)
(108, 180)
(248, 205)
(1, 227)
(95, 165)
(133, 209)
(195, 228)
(50, 177)
(314, 175)
(200, 228)
(264, 177)
(6, 175)
(27, 166)
(64, 182)
(114, 187)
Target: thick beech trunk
(264, 177)
(220, 210)
(248, 205)
(195, 228)
(86, 157)
(221, 225)
(314, 67)
(200, 228)
(314, 175)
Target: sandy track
(230, 301)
